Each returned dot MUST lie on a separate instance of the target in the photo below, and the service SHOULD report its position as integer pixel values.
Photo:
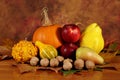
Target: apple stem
(79, 23)
(45, 19)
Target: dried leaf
(8, 43)
(113, 46)
(56, 69)
(5, 57)
(111, 66)
(98, 69)
(4, 50)
(6, 47)
(117, 66)
(25, 68)
(118, 52)
(101, 68)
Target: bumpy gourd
(92, 38)
(23, 51)
(46, 50)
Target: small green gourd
(46, 50)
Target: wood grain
(8, 72)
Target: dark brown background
(19, 18)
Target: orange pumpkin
(48, 33)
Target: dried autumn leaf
(24, 68)
(4, 50)
(8, 43)
(5, 57)
(111, 66)
(110, 52)
(6, 46)
(56, 69)
(117, 66)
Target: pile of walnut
(67, 64)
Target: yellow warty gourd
(46, 50)
(23, 51)
(92, 38)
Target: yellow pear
(86, 53)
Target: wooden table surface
(8, 72)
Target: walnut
(60, 58)
(79, 64)
(89, 64)
(34, 61)
(67, 66)
(67, 60)
(44, 62)
(54, 62)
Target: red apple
(68, 50)
(70, 33)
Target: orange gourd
(48, 33)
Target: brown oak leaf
(25, 68)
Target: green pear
(86, 53)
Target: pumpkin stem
(46, 18)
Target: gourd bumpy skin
(92, 38)
(46, 50)
(23, 51)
